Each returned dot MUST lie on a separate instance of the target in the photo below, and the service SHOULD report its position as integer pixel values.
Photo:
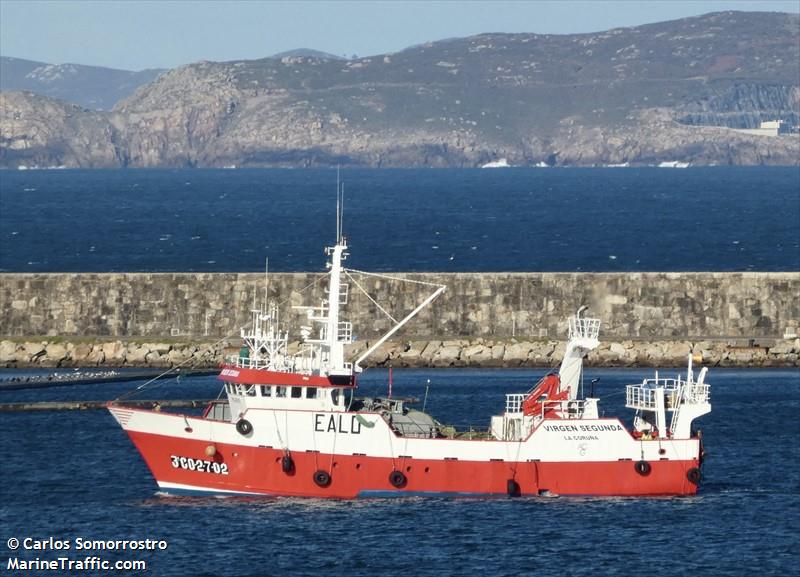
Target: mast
(583, 334)
(325, 351)
(265, 342)
(338, 208)
(266, 284)
(335, 344)
(334, 333)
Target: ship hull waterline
(181, 464)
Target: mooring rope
(363, 290)
(192, 359)
(390, 277)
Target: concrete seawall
(737, 318)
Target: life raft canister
(694, 475)
(643, 468)
(322, 478)
(244, 427)
(398, 479)
(287, 463)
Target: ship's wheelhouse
(243, 397)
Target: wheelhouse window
(250, 390)
(266, 391)
(280, 391)
(297, 392)
(311, 392)
(335, 396)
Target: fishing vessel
(291, 423)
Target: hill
(307, 53)
(91, 87)
(661, 92)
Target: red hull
(257, 470)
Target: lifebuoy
(398, 479)
(244, 427)
(694, 475)
(643, 468)
(287, 463)
(322, 478)
(512, 488)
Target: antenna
(266, 284)
(341, 215)
(338, 222)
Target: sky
(142, 34)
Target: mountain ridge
(92, 87)
(307, 53)
(660, 92)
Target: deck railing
(643, 395)
(583, 328)
(345, 332)
(514, 402)
(247, 362)
(567, 409)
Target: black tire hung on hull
(512, 488)
(694, 475)
(397, 479)
(287, 463)
(322, 478)
(643, 468)
(244, 427)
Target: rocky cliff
(636, 95)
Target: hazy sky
(160, 34)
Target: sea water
(75, 474)
(565, 219)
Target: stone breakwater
(483, 319)
(494, 306)
(418, 353)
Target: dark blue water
(76, 474)
(635, 219)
